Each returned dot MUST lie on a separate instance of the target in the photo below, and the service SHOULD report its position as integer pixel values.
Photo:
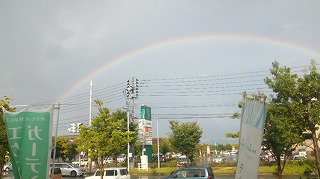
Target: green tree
(233, 135)
(66, 150)
(4, 150)
(299, 98)
(164, 147)
(282, 135)
(283, 131)
(107, 135)
(185, 137)
(223, 147)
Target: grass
(291, 168)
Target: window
(97, 173)
(196, 173)
(111, 173)
(123, 172)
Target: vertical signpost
(29, 137)
(145, 131)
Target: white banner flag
(252, 125)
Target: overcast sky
(193, 58)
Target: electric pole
(131, 93)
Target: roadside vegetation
(293, 113)
(293, 117)
(305, 167)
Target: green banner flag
(29, 138)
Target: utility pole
(128, 146)
(131, 92)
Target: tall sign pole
(55, 139)
(146, 131)
(158, 142)
(90, 108)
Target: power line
(156, 91)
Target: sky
(193, 59)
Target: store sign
(145, 131)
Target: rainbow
(186, 40)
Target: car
(219, 159)
(204, 172)
(84, 162)
(7, 167)
(182, 161)
(226, 153)
(121, 158)
(266, 156)
(108, 160)
(69, 170)
(112, 173)
(299, 157)
(302, 152)
(161, 157)
(57, 174)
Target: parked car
(84, 162)
(161, 157)
(299, 157)
(56, 173)
(69, 170)
(226, 153)
(112, 173)
(121, 158)
(219, 159)
(266, 156)
(302, 152)
(7, 167)
(108, 160)
(182, 161)
(192, 172)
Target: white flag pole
(55, 141)
(90, 107)
(244, 97)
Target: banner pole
(55, 141)
(244, 97)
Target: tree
(283, 132)
(107, 135)
(65, 149)
(294, 108)
(164, 146)
(282, 135)
(185, 137)
(233, 135)
(4, 150)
